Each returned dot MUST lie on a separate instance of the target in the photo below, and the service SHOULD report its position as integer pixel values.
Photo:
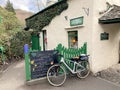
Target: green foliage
(8, 20)
(9, 7)
(44, 17)
(17, 43)
(9, 26)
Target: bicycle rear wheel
(56, 75)
(83, 71)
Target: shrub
(17, 43)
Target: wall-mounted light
(73, 40)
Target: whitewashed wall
(57, 32)
(105, 53)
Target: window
(73, 39)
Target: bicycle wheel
(83, 72)
(56, 75)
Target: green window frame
(73, 39)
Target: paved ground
(112, 74)
(14, 79)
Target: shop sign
(40, 61)
(104, 36)
(76, 21)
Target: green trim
(71, 52)
(27, 67)
(68, 40)
(110, 21)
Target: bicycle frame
(74, 67)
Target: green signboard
(104, 36)
(76, 21)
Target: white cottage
(96, 22)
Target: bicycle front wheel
(83, 71)
(56, 75)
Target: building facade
(81, 23)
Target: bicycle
(56, 74)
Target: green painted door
(35, 42)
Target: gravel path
(14, 79)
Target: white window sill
(73, 27)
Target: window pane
(73, 39)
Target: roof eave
(110, 21)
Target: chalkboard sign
(40, 63)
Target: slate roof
(38, 21)
(112, 16)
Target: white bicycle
(56, 74)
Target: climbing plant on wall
(44, 17)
